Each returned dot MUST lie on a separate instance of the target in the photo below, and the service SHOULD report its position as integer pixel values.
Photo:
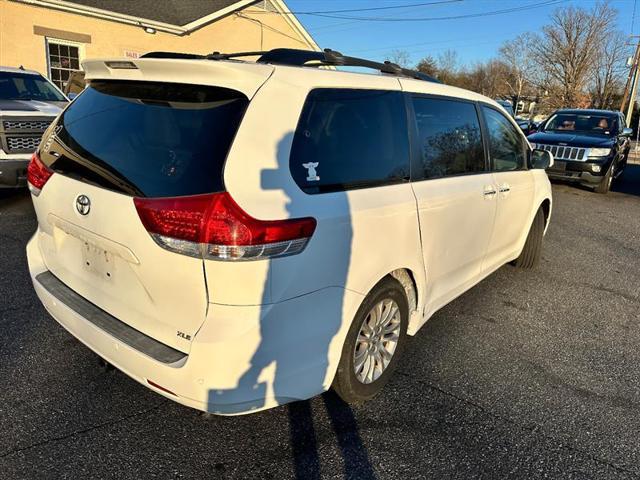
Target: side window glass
(449, 138)
(506, 145)
(350, 139)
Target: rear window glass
(150, 139)
(350, 139)
(449, 138)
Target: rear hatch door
(118, 140)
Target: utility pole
(632, 98)
(631, 86)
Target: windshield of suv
(27, 86)
(583, 123)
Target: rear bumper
(13, 170)
(243, 359)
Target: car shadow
(12, 195)
(629, 181)
(282, 370)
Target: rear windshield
(150, 139)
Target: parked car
(526, 125)
(507, 106)
(28, 104)
(237, 235)
(590, 147)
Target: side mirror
(541, 159)
(71, 96)
(627, 132)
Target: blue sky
(475, 39)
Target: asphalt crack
(83, 430)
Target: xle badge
(184, 335)
(312, 175)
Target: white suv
(237, 235)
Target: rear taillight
(37, 174)
(214, 226)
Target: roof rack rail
(291, 56)
(183, 56)
(299, 58)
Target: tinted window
(350, 139)
(506, 145)
(25, 86)
(449, 138)
(150, 139)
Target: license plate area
(559, 166)
(97, 260)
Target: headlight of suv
(599, 152)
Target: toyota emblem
(83, 204)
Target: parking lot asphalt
(531, 374)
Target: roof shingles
(174, 12)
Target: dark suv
(590, 147)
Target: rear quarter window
(149, 139)
(349, 139)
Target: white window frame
(58, 41)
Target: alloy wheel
(377, 341)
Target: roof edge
(71, 7)
(293, 21)
(195, 24)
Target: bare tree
(522, 69)
(489, 78)
(400, 57)
(610, 69)
(568, 52)
(448, 67)
(448, 60)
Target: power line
(452, 17)
(268, 27)
(368, 9)
(437, 42)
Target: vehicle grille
(23, 143)
(576, 154)
(22, 134)
(25, 125)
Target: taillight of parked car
(213, 226)
(37, 174)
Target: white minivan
(236, 235)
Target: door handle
(489, 191)
(504, 188)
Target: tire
(530, 255)
(605, 185)
(346, 383)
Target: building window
(62, 58)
